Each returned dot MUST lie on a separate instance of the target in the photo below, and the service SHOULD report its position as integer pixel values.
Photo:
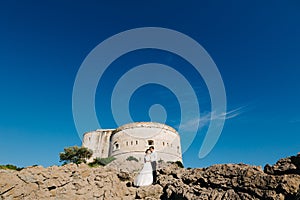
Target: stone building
(133, 139)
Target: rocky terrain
(226, 181)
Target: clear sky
(255, 45)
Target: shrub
(160, 161)
(11, 167)
(130, 158)
(101, 161)
(179, 164)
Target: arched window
(136, 142)
(126, 143)
(131, 142)
(150, 142)
(178, 149)
(116, 146)
(163, 143)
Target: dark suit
(154, 165)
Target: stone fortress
(132, 140)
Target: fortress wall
(98, 142)
(104, 146)
(134, 140)
(90, 140)
(140, 156)
(168, 144)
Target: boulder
(290, 165)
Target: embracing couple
(147, 175)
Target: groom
(153, 163)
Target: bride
(145, 176)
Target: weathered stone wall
(133, 139)
(99, 142)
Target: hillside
(224, 181)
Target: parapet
(145, 125)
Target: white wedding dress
(145, 176)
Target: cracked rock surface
(225, 181)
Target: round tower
(134, 138)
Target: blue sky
(254, 44)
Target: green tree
(75, 154)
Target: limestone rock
(152, 191)
(290, 165)
(218, 182)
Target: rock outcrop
(290, 165)
(225, 181)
